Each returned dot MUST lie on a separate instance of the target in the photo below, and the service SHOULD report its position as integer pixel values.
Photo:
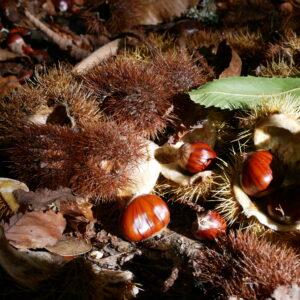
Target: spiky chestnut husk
(243, 265)
(238, 208)
(96, 162)
(281, 59)
(277, 68)
(56, 97)
(245, 42)
(17, 107)
(181, 71)
(125, 14)
(195, 192)
(226, 202)
(133, 92)
(177, 184)
(62, 89)
(274, 125)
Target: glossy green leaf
(240, 92)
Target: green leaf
(240, 92)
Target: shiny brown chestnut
(195, 157)
(284, 204)
(208, 226)
(261, 172)
(16, 43)
(62, 5)
(144, 217)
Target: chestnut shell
(143, 217)
(261, 172)
(195, 157)
(208, 226)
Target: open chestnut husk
(262, 171)
(284, 204)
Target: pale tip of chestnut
(208, 226)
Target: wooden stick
(96, 57)
(63, 43)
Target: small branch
(63, 43)
(96, 57)
(174, 242)
(170, 281)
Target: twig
(63, 43)
(96, 57)
(170, 281)
(172, 241)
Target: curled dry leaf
(70, 246)
(66, 201)
(35, 229)
(27, 268)
(76, 207)
(235, 66)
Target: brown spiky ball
(133, 92)
(62, 89)
(180, 70)
(55, 97)
(125, 14)
(17, 107)
(95, 162)
(142, 92)
(245, 266)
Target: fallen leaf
(76, 207)
(35, 229)
(6, 55)
(41, 198)
(235, 66)
(70, 246)
(28, 268)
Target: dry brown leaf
(165, 10)
(41, 198)
(7, 84)
(35, 229)
(70, 246)
(28, 268)
(6, 55)
(235, 66)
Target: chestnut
(195, 157)
(16, 43)
(208, 226)
(62, 5)
(284, 204)
(143, 217)
(261, 172)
